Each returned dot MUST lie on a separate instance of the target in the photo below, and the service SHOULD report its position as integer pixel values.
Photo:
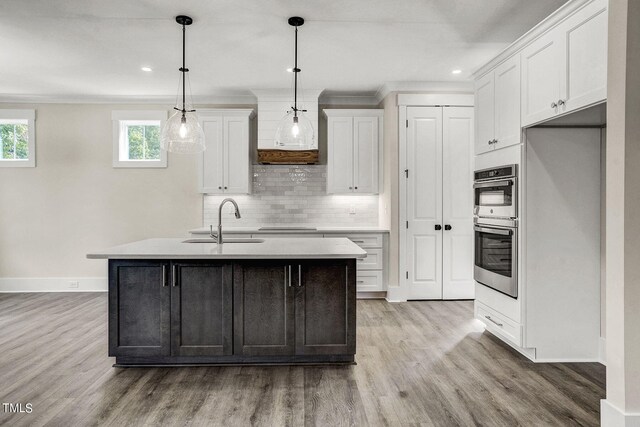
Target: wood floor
(419, 363)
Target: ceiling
(90, 49)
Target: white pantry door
(424, 203)
(457, 203)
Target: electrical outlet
(74, 284)
(352, 210)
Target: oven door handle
(500, 183)
(500, 231)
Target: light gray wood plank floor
(419, 363)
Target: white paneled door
(439, 210)
(424, 202)
(457, 203)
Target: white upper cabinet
(225, 164)
(354, 151)
(566, 68)
(584, 79)
(485, 113)
(497, 105)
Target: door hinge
(407, 275)
(407, 224)
(406, 173)
(407, 123)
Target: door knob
(438, 227)
(447, 227)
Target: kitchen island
(276, 301)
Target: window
(17, 138)
(136, 139)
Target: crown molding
(550, 22)
(432, 87)
(245, 98)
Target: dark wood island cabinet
(241, 311)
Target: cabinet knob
(560, 101)
(495, 141)
(356, 188)
(438, 227)
(219, 188)
(225, 187)
(554, 105)
(447, 227)
(350, 188)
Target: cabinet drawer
(369, 281)
(362, 240)
(373, 260)
(499, 324)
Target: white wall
(622, 405)
(74, 202)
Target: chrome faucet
(218, 237)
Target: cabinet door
(485, 114)
(139, 303)
(584, 36)
(365, 148)
(424, 203)
(236, 155)
(325, 307)
(201, 309)
(340, 155)
(263, 309)
(541, 68)
(211, 171)
(507, 103)
(457, 203)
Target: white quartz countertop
(286, 230)
(274, 248)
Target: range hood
(272, 107)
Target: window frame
(120, 116)
(6, 116)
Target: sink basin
(230, 240)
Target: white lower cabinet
(499, 324)
(369, 281)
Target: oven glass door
(495, 198)
(495, 259)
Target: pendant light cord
(183, 69)
(295, 80)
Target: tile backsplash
(285, 195)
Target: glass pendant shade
(295, 132)
(182, 133)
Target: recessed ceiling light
(147, 69)
(456, 71)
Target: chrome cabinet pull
(174, 276)
(164, 276)
(560, 101)
(493, 321)
(299, 275)
(358, 241)
(554, 105)
(495, 141)
(359, 281)
(289, 276)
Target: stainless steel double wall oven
(496, 228)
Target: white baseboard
(611, 416)
(53, 284)
(603, 351)
(371, 295)
(396, 294)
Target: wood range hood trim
(288, 157)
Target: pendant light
(295, 129)
(182, 133)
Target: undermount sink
(224, 240)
